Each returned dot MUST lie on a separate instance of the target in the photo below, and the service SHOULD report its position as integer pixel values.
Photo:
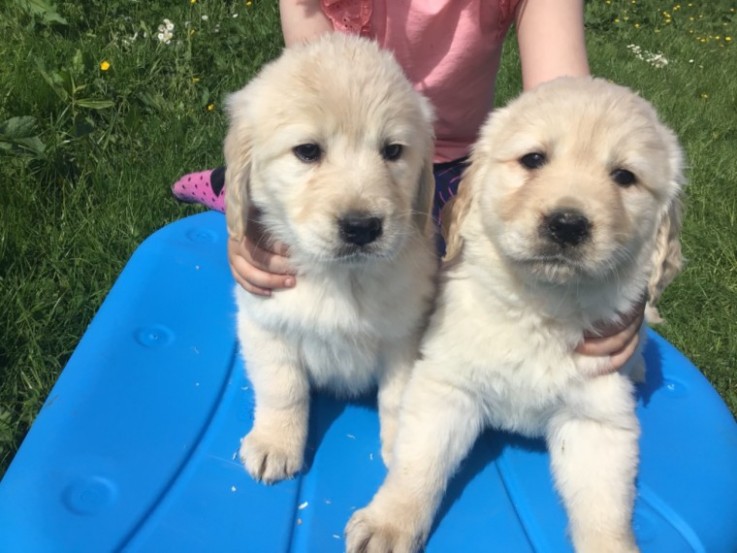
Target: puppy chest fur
(341, 322)
(504, 350)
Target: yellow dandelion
(104, 65)
(192, 1)
(210, 107)
(704, 95)
(637, 25)
(616, 20)
(195, 80)
(249, 3)
(727, 39)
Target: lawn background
(98, 116)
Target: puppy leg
(594, 465)
(437, 426)
(393, 381)
(274, 448)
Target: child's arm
(550, 34)
(302, 20)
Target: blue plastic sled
(135, 447)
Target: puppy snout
(566, 227)
(359, 228)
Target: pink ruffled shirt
(449, 49)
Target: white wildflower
(166, 31)
(656, 59)
(636, 50)
(205, 17)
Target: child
(451, 52)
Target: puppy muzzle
(566, 228)
(359, 228)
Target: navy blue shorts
(447, 177)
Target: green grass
(87, 156)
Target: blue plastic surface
(135, 447)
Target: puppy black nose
(567, 227)
(360, 228)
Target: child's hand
(257, 269)
(618, 341)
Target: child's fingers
(611, 339)
(271, 261)
(259, 275)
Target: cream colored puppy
(568, 214)
(333, 147)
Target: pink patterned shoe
(205, 187)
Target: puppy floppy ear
(237, 150)
(667, 259)
(423, 203)
(455, 212)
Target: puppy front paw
(369, 532)
(270, 459)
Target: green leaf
(54, 81)
(18, 127)
(95, 104)
(46, 11)
(32, 144)
(78, 62)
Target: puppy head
(577, 180)
(333, 146)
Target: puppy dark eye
(533, 160)
(623, 177)
(392, 152)
(309, 153)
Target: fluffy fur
(333, 147)
(568, 214)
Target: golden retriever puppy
(333, 148)
(568, 214)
